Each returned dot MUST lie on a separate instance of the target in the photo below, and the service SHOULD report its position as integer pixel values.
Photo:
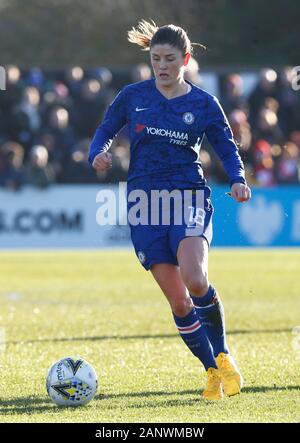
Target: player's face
(168, 64)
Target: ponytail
(149, 34)
(142, 36)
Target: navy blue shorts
(158, 242)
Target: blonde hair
(148, 34)
(142, 36)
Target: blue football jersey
(166, 136)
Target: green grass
(106, 308)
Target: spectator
(266, 87)
(289, 103)
(13, 92)
(73, 78)
(25, 120)
(288, 166)
(78, 170)
(11, 165)
(267, 126)
(192, 72)
(36, 78)
(38, 172)
(89, 108)
(103, 75)
(264, 164)
(233, 94)
(241, 129)
(60, 137)
(60, 110)
(141, 72)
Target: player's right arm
(114, 120)
(102, 161)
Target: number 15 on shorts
(196, 220)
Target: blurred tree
(56, 33)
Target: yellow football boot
(232, 380)
(213, 390)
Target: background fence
(65, 216)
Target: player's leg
(151, 244)
(186, 319)
(152, 249)
(192, 256)
(170, 282)
(189, 242)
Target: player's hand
(240, 192)
(103, 161)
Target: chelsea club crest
(188, 118)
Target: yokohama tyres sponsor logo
(162, 132)
(167, 133)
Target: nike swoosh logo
(141, 109)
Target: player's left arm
(220, 136)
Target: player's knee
(182, 306)
(198, 285)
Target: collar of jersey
(174, 98)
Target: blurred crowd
(47, 120)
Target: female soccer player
(167, 118)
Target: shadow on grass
(184, 398)
(23, 405)
(246, 389)
(142, 337)
(37, 405)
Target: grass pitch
(106, 308)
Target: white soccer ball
(71, 382)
